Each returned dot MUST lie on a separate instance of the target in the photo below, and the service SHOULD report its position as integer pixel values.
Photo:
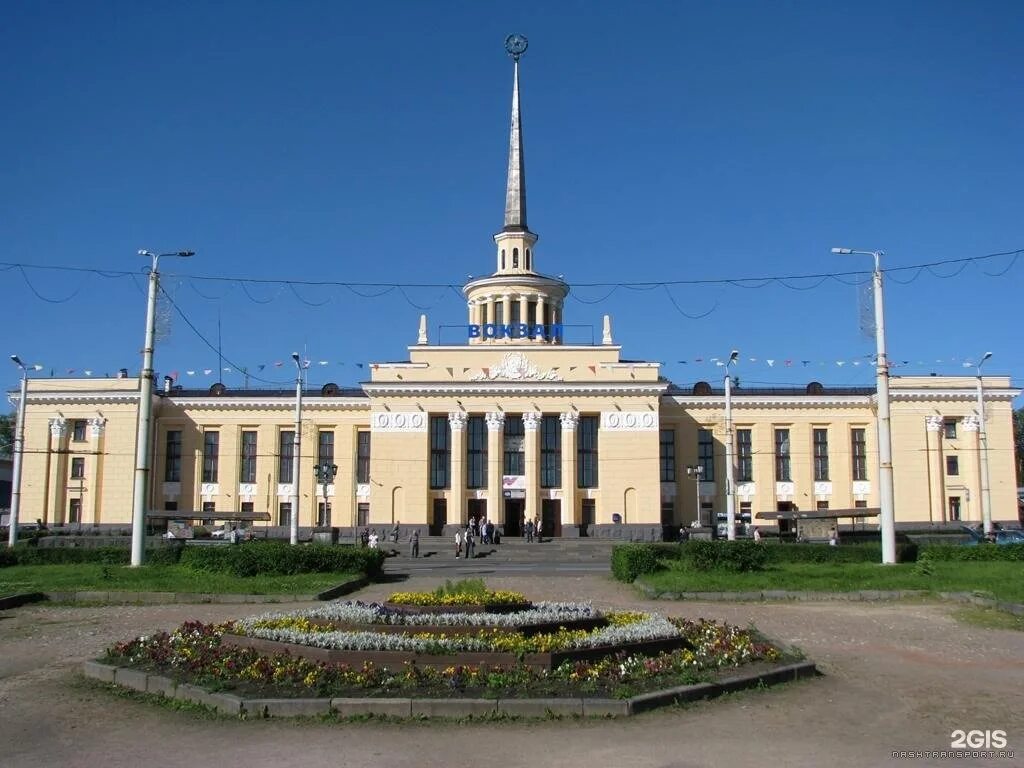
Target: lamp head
(186, 254)
(842, 250)
(17, 361)
(144, 252)
(986, 356)
(735, 354)
(295, 356)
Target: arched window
(502, 258)
(515, 258)
(529, 257)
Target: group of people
(531, 529)
(465, 542)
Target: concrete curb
(863, 595)
(228, 704)
(343, 589)
(17, 600)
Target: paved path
(898, 676)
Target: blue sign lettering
(513, 331)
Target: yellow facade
(514, 423)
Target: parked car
(1002, 536)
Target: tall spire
(515, 187)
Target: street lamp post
(730, 491)
(19, 452)
(696, 471)
(139, 491)
(293, 521)
(986, 488)
(885, 480)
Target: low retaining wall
(539, 661)
(236, 706)
(449, 629)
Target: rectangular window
(821, 454)
(78, 430)
(172, 464)
(668, 511)
(247, 467)
(744, 456)
(550, 452)
(284, 513)
(586, 452)
(859, 451)
(860, 504)
(706, 454)
(515, 445)
(323, 514)
(74, 510)
(285, 456)
(667, 453)
(949, 428)
(952, 465)
(822, 505)
(170, 506)
(440, 452)
(78, 468)
(782, 456)
(211, 455)
(954, 508)
(499, 312)
(362, 514)
(325, 448)
(745, 512)
(247, 507)
(363, 457)
(209, 508)
(476, 452)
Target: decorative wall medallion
(785, 490)
(172, 490)
(861, 487)
(746, 490)
(516, 367)
(387, 421)
(363, 491)
(822, 488)
(629, 421)
(247, 491)
(209, 489)
(284, 490)
(321, 492)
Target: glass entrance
(439, 518)
(550, 518)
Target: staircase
(549, 555)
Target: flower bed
(477, 601)
(357, 616)
(196, 653)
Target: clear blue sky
(367, 142)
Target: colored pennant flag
(278, 363)
(788, 363)
(359, 365)
(698, 359)
(840, 363)
(260, 367)
(37, 367)
(207, 371)
(323, 362)
(71, 370)
(770, 363)
(173, 375)
(87, 373)
(190, 373)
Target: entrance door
(513, 522)
(476, 508)
(439, 517)
(587, 514)
(550, 518)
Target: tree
(1018, 443)
(7, 433)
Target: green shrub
(737, 556)
(631, 560)
(25, 554)
(981, 552)
(279, 558)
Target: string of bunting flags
(693, 362)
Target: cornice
(85, 396)
(965, 395)
(770, 401)
(270, 403)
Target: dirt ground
(897, 676)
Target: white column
(540, 315)
(937, 507)
(569, 421)
(457, 491)
(531, 422)
(495, 465)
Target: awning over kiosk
(819, 514)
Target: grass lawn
(157, 578)
(1002, 580)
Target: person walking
(529, 531)
(458, 543)
(470, 544)
(395, 531)
(414, 543)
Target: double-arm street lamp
(885, 483)
(293, 520)
(730, 491)
(325, 472)
(19, 451)
(140, 489)
(696, 471)
(986, 488)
